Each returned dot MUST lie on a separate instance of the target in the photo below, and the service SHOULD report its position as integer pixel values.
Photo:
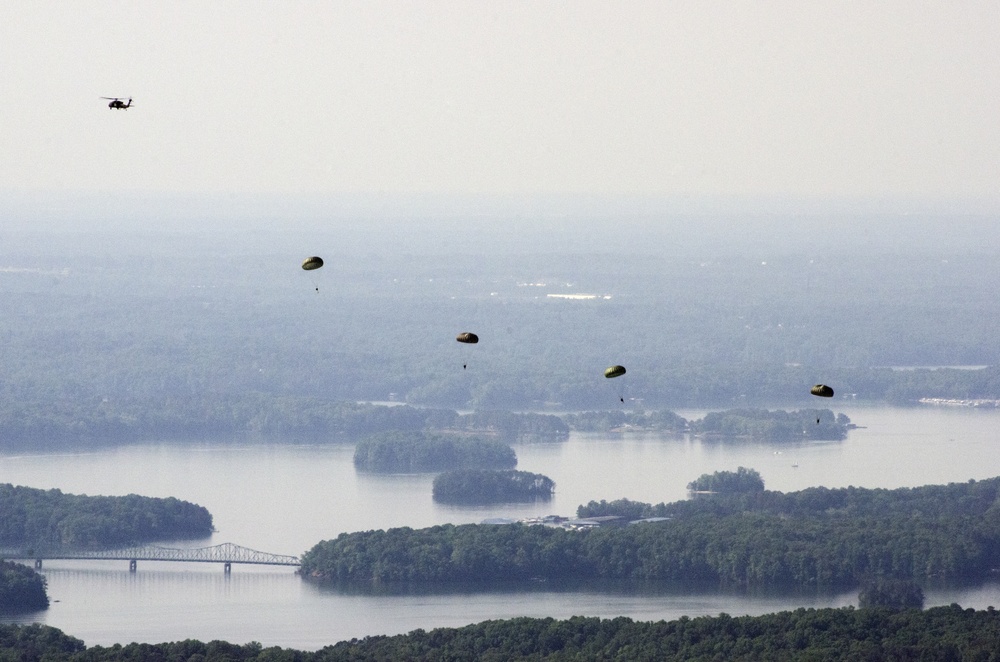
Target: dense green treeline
(21, 589)
(401, 452)
(728, 482)
(975, 498)
(892, 593)
(33, 643)
(815, 634)
(750, 550)
(34, 519)
(473, 486)
(814, 537)
(939, 633)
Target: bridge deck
(226, 553)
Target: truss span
(226, 553)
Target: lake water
(285, 498)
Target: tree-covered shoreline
(472, 486)
(318, 421)
(254, 417)
(728, 482)
(818, 536)
(407, 452)
(21, 589)
(773, 426)
(34, 520)
(31, 419)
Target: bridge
(227, 554)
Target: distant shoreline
(957, 402)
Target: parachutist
(467, 338)
(617, 371)
(312, 264)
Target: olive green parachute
(311, 263)
(467, 337)
(614, 371)
(822, 390)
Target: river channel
(284, 498)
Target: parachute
(311, 263)
(467, 338)
(822, 390)
(617, 371)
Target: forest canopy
(818, 536)
(939, 633)
(34, 519)
(729, 482)
(473, 486)
(21, 589)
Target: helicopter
(117, 103)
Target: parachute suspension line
(617, 371)
(311, 264)
(467, 338)
(823, 391)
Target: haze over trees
(150, 333)
(134, 328)
(403, 452)
(663, 421)
(757, 424)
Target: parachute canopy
(467, 337)
(822, 390)
(311, 263)
(614, 371)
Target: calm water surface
(286, 498)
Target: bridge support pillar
(228, 568)
(132, 565)
(38, 564)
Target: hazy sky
(665, 98)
